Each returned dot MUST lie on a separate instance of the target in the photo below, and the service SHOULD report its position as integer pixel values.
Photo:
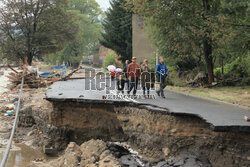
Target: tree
(1, 56)
(87, 40)
(109, 59)
(191, 28)
(33, 28)
(90, 29)
(117, 33)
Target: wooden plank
(13, 69)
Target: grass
(237, 95)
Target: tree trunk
(209, 61)
(222, 66)
(29, 53)
(208, 46)
(30, 58)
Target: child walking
(120, 84)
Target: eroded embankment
(158, 135)
(154, 133)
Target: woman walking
(147, 80)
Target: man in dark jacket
(162, 72)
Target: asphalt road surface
(222, 116)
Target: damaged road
(158, 129)
(153, 132)
(148, 134)
(221, 116)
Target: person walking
(146, 78)
(120, 85)
(134, 74)
(162, 72)
(125, 73)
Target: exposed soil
(164, 136)
(156, 135)
(26, 133)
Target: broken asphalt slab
(221, 116)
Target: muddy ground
(157, 136)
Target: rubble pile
(97, 153)
(34, 80)
(30, 81)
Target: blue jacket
(161, 69)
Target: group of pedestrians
(133, 73)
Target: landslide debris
(97, 153)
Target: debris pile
(97, 153)
(30, 81)
(33, 80)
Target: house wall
(142, 46)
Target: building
(142, 46)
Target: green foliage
(238, 68)
(90, 30)
(199, 34)
(53, 58)
(1, 54)
(118, 30)
(173, 79)
(35, 28)
(87, 40)
(109, 59)
(189, 63)
(152, 62)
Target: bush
(173, 78)
(236, 73)
(109, 59)
(239, 67)
(188, 62)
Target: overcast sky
(104, 4)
